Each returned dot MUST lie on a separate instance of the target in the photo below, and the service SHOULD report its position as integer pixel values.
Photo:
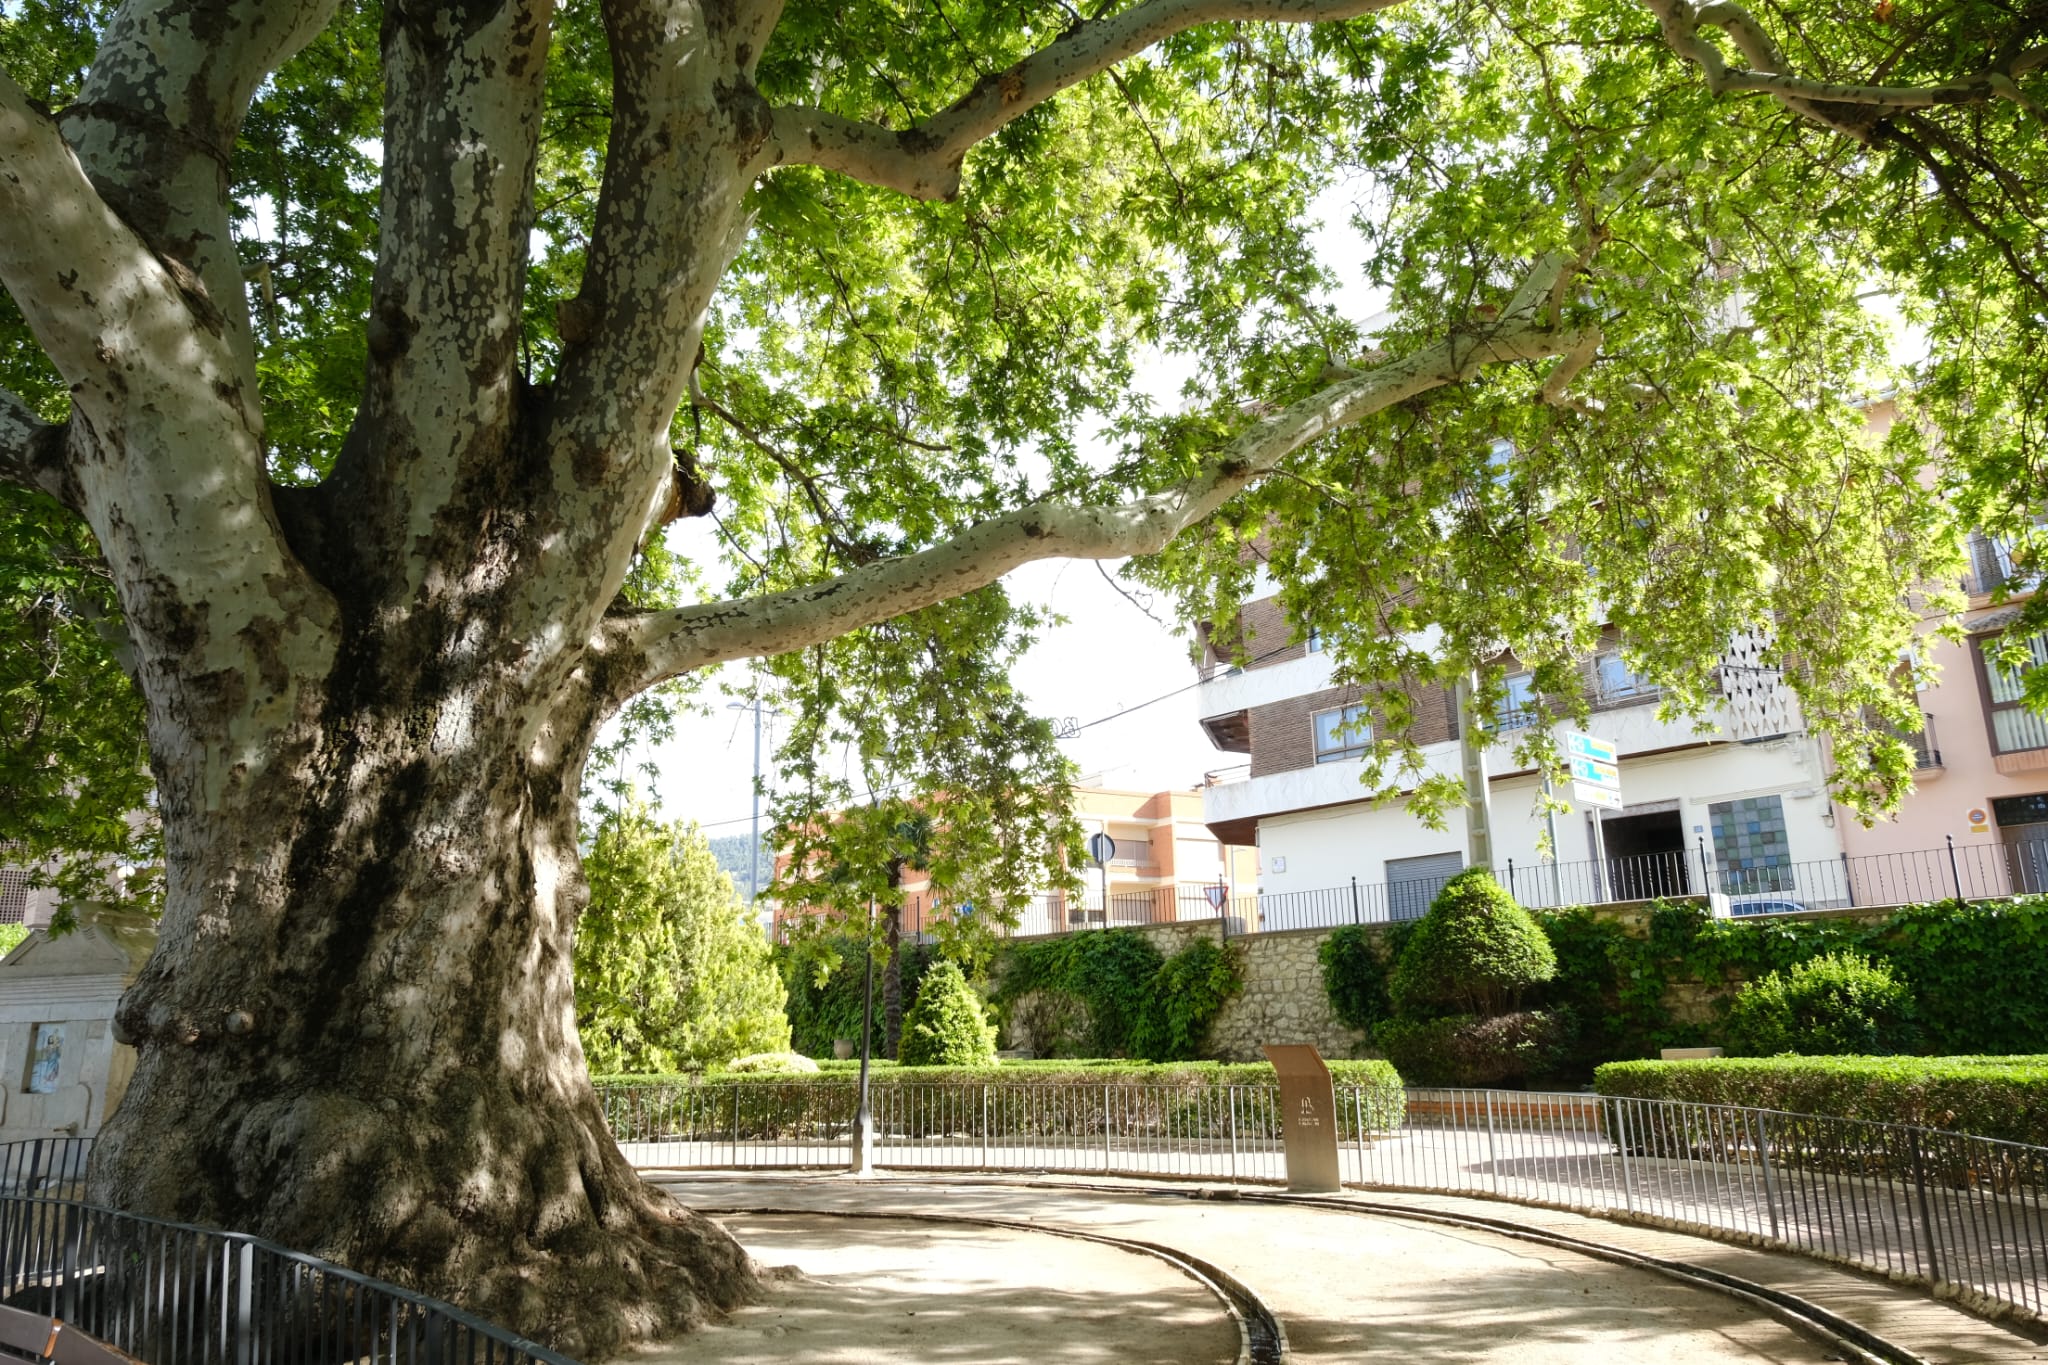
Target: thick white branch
(1682, 20)
(164, 447)
(157, 118)
(924, 160)
(32, 451)
(675, 642)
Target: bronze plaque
(1308, 1117)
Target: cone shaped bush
(1475, 952)
(946, 1025)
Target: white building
(1741, 809)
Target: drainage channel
(1261, 1338)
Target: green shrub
(769, 1064)
(1465, 1049)
(1109, 992)
(1832, 1005)
(1183, 999)
(1108, 973)
(1354, 976)
(1475, 952)
(1994, 1097)
(945, 1026)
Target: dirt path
(1346, 1288)
(873, 1290)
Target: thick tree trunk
(358, 1035)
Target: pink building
(1982, 782)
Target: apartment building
(1167, 865)
(1732, 808)
(1982, 779)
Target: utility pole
(754, 851)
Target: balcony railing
(1966, 872)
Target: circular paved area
(1345, 1287)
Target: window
(1518, 706)
(1342, 735)
(2014, 728)
(1614, 680)
(1750, 847)
(1315, 640)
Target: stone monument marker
(1308, 1118)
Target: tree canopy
(908, 344)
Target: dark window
(2020, 810)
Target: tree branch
(666, 644)
(32, 452)
(1681, 21)
(157, 117)
(164, 447)
(923, 161)
(462, 118)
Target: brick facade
(1283, 733)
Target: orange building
(1167, 866)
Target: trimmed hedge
(1464, 1049)
(1993, 1097)
(946, 1025)
(1383, 1108)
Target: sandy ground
(1345, 1288)
(879, 1290)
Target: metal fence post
(1954, 875)
(1105, 1129)
(245, 1304)
(1358, 1118)
(987, 1093)
(1926, 1214)
(1628, 1191)
(1492, 1157)
(1763, 1157)
(1356, 918)
(1706, 870)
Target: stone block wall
(1283, 1000)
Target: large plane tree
(372, 351)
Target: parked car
(1765, 905)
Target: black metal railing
(1771, 886)
(173, 1294)
(1945, 1208)
(1920, 1203)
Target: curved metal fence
(1946, 1208)
(173, 1294)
